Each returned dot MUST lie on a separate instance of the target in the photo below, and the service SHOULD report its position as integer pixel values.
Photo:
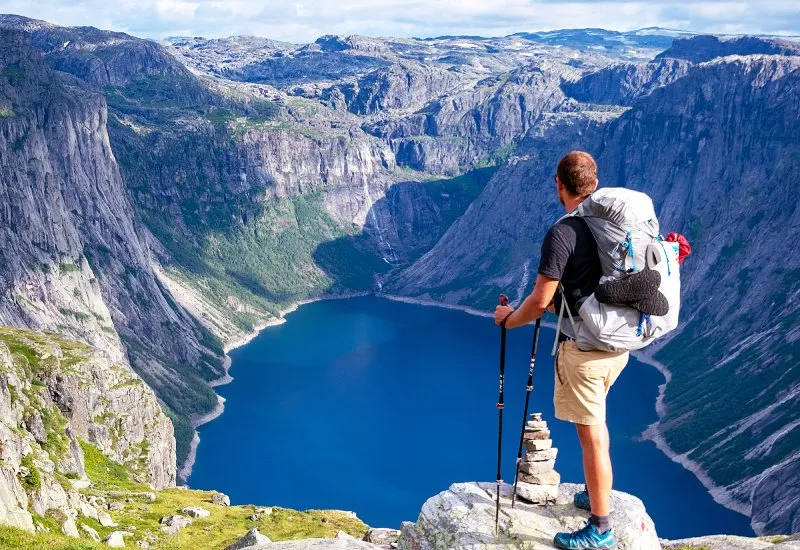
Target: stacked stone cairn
(538, 480)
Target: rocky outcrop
(624, 83)
(75, 392)
(729, 542)
(398, 87)
(463, 128)
(463, 517)
(698, 49)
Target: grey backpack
(624, 224)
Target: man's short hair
(577, 171)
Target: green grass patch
(11, 537)
(32, 480)
(105, 473)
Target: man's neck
(571, 203)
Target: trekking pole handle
(503, 300)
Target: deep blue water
(373, 406)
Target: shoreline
(652, 433)
(184, 470)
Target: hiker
(569, 256)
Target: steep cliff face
(74, 258)
(624, 83)
(697, 49)
(714, 149)
(55, 393)
(731, 144)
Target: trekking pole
(500, 405)
(528, 391)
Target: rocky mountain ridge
(231, 178)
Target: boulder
(196, 512)
(87, 510)
(91, 533)
(173, 524)
(79, 484)
(252, 538)
(220, 499)
(105, 519)
(115, 506)
(69, 528)
(384, 537)
(463, 517)
(115, 540)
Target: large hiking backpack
(624, 224)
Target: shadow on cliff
(400, 227)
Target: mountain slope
(74, 255)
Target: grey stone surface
(173, 524)
(537, 494)
(115, 540)
(381, 536)
(718, 542)
(546, 478)
(90, 532)
(463, 517)
(252, 539)
(69, 528)
(537, 444)
(534, 468)
(221, 499)
(105, 519)
(196, 512)
(538, 456)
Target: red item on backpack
(684, 248)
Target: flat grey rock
(718, 542)
(463, 517)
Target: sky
(303, 21)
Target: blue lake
(373, 406)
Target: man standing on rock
(569, 257)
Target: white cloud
(305, 20)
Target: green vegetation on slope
(142, 516)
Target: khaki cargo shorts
(583, 379)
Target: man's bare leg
(597, 466)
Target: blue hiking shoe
(581, 500)
(584, 538)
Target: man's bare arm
(533, 307)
